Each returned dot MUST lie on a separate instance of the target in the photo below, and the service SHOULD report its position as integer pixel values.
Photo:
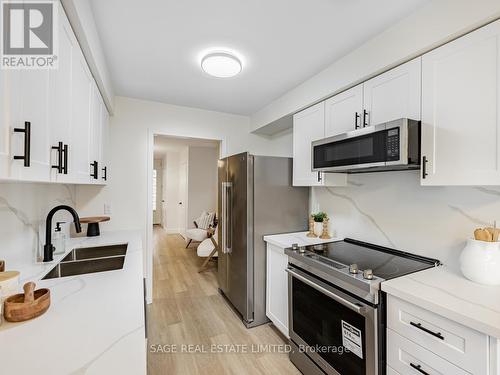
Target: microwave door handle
(319, 288)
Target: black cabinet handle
(65, 159)
(365, 115)
(27, 143)
(319, 177)
(95, 167)
(419, 369)
(59, 165)
(105, 174)
(420, 327)
(424, 167)
(356, 118)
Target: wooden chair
(211, 238)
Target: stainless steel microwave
(390, 146)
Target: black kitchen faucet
(48, 249)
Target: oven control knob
(302, 249)
(295, 246)
(368, 274)
(353, 268)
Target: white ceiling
(153, 47)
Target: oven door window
(318, 320)
(364, 149)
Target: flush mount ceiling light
(221, 64)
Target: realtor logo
(29, 34)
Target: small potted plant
(318, 222)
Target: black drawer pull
(59, 165)
(105, 174)
(435, 334)
(424, 167)
(365, 115)
(95, 167)
(27, 143)
(319, 177)
(65, 159)
(419, 369)
(356, 118)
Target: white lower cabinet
(391, 371)
(421, 339)
(406, 357)
(277, 287)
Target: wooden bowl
(28, 305)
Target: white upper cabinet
(81, 119)
(64, 113)
(394, 94)
(309, 126)
(344, 111)
(460, 106)
(60, 105)
(104, 143)
(5, 122)
(99, 112)
(30, 138)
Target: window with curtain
(154, 189)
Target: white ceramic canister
(480, 262)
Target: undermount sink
(89, 260)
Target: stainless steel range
(336, 308)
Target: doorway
(183, 181)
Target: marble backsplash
(23, 209)
(392, 209)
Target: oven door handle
(359, 309)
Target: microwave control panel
(392, 144)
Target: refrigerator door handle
(229, 216)
(226, 219)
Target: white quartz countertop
(300, 238)
(95, 324)
(448, 293)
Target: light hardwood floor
(188, 310)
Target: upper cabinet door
(460, 106)
(60, 100)
(344, 111)
(394, 94)
(31, 91)
(5, 124)
(81, 119)
(309, 126)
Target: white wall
(127, 184)
(436, 23)
(131, 130)
(202, 181)
(172, 192)
(23, 209)
(392, 209)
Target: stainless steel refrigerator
(256, 198)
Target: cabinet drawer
(406, 357)
(391, 371)
(460, 345)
